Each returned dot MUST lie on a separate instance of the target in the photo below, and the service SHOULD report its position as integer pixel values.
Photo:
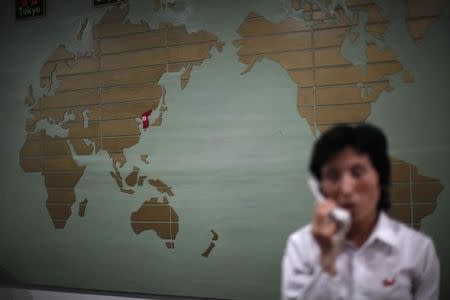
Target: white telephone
(340, 215)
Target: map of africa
(167, 154)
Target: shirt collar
(384, 232)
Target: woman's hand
(324, 229)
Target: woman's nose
(347, 184)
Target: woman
(380, 257)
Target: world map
(114, 101)
(99, 95)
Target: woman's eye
(357, 171)
(332, 175)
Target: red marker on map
(145, 118)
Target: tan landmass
(208, 250)
(118, 159)
(187, 75)
(61, 173)
(141, 180)
(161, 186)
(215, 235)
(408, 77)
(82, 207)
(157, 216)
(322, 17)
(413, 196)
(127, 191)
(132, 178)
(53, 158)
(29, 99)
(421, 14)
(124, 69)
(60, 54)
(83, 27)
(117, 178)
(164, 200)
(144, 158)
(330, 89)
(116, 83)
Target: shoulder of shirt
(302, 236)
(300, 240)
(398, 234)
(302, 231)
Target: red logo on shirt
(145, 118)
(389, 281)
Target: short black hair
(364, 138)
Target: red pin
(389, 281)
(145, 116)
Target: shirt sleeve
(303, 278)
(427, 286)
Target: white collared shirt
(396, 262)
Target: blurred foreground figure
(379, 258)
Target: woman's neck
(360, 231)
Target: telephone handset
(340, 215)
